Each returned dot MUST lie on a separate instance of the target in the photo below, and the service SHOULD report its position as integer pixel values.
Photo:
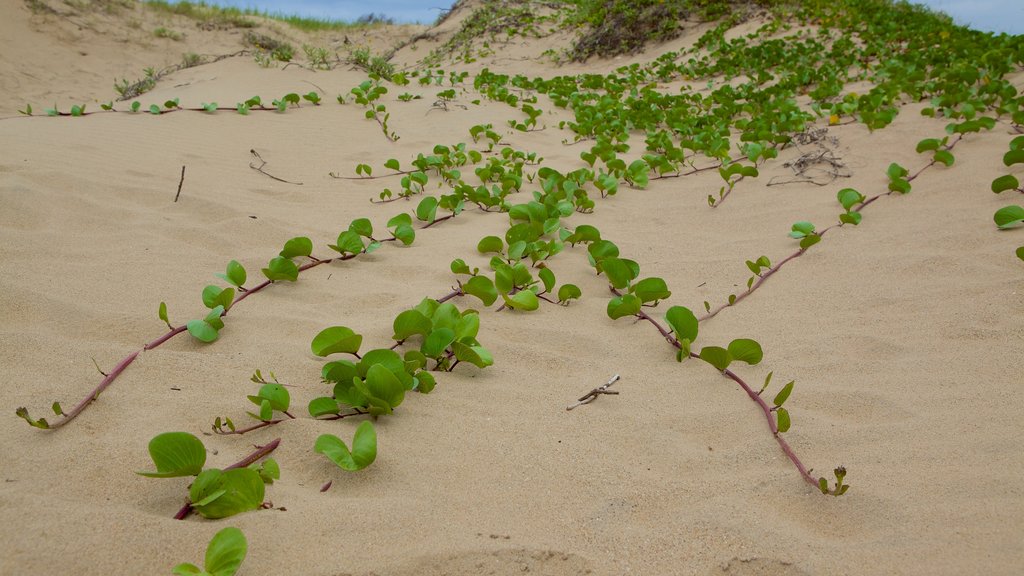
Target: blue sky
(989, 15)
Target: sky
(988, 15)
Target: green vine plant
(1013, 215)
(214, 493)
(367, 94)
(355, 241)
(224, 555)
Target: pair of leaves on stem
(804, 231)
(214, 493)
(362, 454)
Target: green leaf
(276, 394)
(214, 296)
(547, 277)
(323, 406)
(849, 198)
(300, 246)
(619, 273)
(363, 453)
(807, 242)
(481, 287)
(1009, 216)
(409, 323)
(476, 355)
(1004, 183)
(945, 157)
(622, 306)
(348, 243)
(783, 422)
(524, 300)
(1013, 157)
(928, 144)
(392, 164)
(850, 218)
(202, 330)
(900, 185)
(490, 244)
(405, 234)
(241, 490)
(783, 394)
(281, 269)
(382, 388)
(716, 356)
(186, 569)
(1020, 252)
(683, 322)
(335, 340)
(162, 312)
(568, 292)
(426, 210)
(651, 290)
(801, 229)
(362, 226)
(176, 454)
(895, 171)
(226, 552)
(235, 274)
(437, 342)
(746, 350)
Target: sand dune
(904, 334)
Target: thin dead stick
(180, 182)
(593, 394)
(264, 163)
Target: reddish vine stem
(260, 453)
(336, 177)
(763, 278)
(801, 251)
(786, 448)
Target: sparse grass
(379, 65)
(237, 17)
(269, 47)
(318, 56)
(162, 32)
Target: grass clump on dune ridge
(229, 17)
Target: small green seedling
(224, 555)
(363, 453)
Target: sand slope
(903, 334)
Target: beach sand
(904, 336)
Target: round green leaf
(409, 323)
(568, 292)
(683, 322)
(783, 421)
(243, 490)
(202, 330)
(435, 345)
(490, 244)
(300, 246)
(475, 355)
(1004, 183)
(481, 287)
(323, 406)
(1009, 216)
(176, 454)
(651, 290)
(746, 350)
(281, 269)
(716, 356)
(336, 339)
(524, 300)
(226, 552)
(363, 453)
(622, 306)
